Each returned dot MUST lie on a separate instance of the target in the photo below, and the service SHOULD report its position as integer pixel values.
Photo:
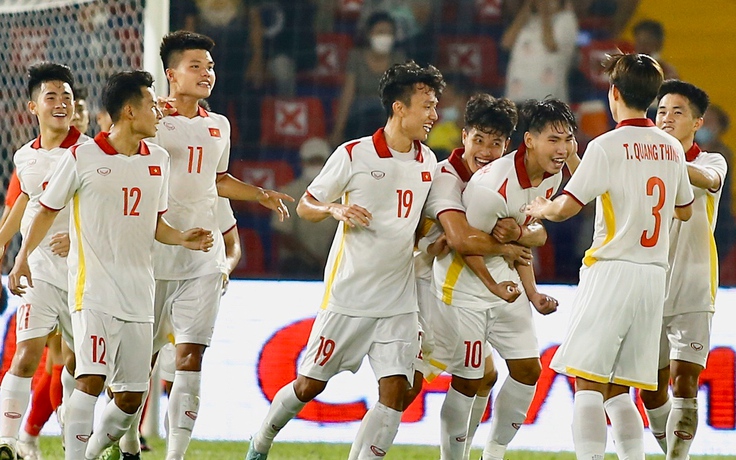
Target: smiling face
(549, 148)
(145, 114)
(418, 117)
(193, 75)
(481, 148)
(675, 116)
(53, 105)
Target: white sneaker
(29, 449)
(7, 449)
(60, 418)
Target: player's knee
(128, 402)
(526, 371)
(392, 391)
(467, 387)
(413, 392)
(26, 359)
(685, 386)
(307, 389)
(190, 359)
(489, 379)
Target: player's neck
(52, 138)
(533, 170)
(187, 106)
(687, 144)
(395, 137)
(123, 140)
(627, 113)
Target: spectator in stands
(80, 119)
(304, 245)
(541, 40)
(359, 111)
(649, 39)
(289, 39)
(447, 132)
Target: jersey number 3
(649, 241)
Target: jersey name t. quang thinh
(637, 175)
(115, 204)
(369, 270)
(199, 148)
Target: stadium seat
(593, 54)
(332, 57)
(474, 55)
(269, 174)
(289, 122)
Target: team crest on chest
(103, 171)
(31, 162)
(169, 126)
(378, 175)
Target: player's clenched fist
(543, 303)
(507, 290)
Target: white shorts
(613, 335)
(44, 307)
(685, 337)
(167, 362)
(339, 343)
(427, 307)
(464, 337)
(118, 350)
(187, 308)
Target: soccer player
(486, 303)
(80, 120)
(370, 303)
(692, 280)
(189, 284)
(50, 89)
(118, 187)
(637, 175)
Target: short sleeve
(63, 184)
(332, 180)
(591, 178)
(14, 190)
(445, 194)
(225, 216)
(716, 163)
(163, 196)
(224, 162)
(483, 206)
(685, 194)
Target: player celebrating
(188, 284)
(383, 180)
(690, 300)
(637, 175)
(44, 305)
(118, 187)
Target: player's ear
(615, 92)
(397, 107)
(506, 145)
(698, 123)
(128, 111)
(169, 74)
(464, 136)
(528, 140)
(32, 107)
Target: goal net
(93, 37)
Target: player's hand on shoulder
(197, 239)
(507, 290)
(20, 270)
(544, 303)
(517, 254)
(59, 244)
(353, 215)
(506, 230)
(164, 105)
(274, 201)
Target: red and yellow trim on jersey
(333, 272)
(81, 267)
(453, 273)
(604, 379)
(710, 210)
(609, 217)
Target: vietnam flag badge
(154, 170)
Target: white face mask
(382, 43)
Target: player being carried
(638, 177)
(117, 184)
(489, 303)
(692, 280)
(50, 88)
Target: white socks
(381, 426)
(15, 394)
(658, 423)
(627, 427)
(358, 441)
(182, 412)
(284, 407)
(589, 428)
(79, 418)
(131, 442)
(114, 423)
(454, 418)
(681, 427)
(476, 414)
(68, 384)
(509, 413)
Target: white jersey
(369, 270)
(499, 190)
(200, 150)
(637, 174)
(692, 280)
(34, 166)
(116, 201)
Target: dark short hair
(490, 115)
(638, 78)
(534, 115)
(652, 27)
(697, 98)
(177, 42)
(123, 88)
(398, 82)
(48, 71)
